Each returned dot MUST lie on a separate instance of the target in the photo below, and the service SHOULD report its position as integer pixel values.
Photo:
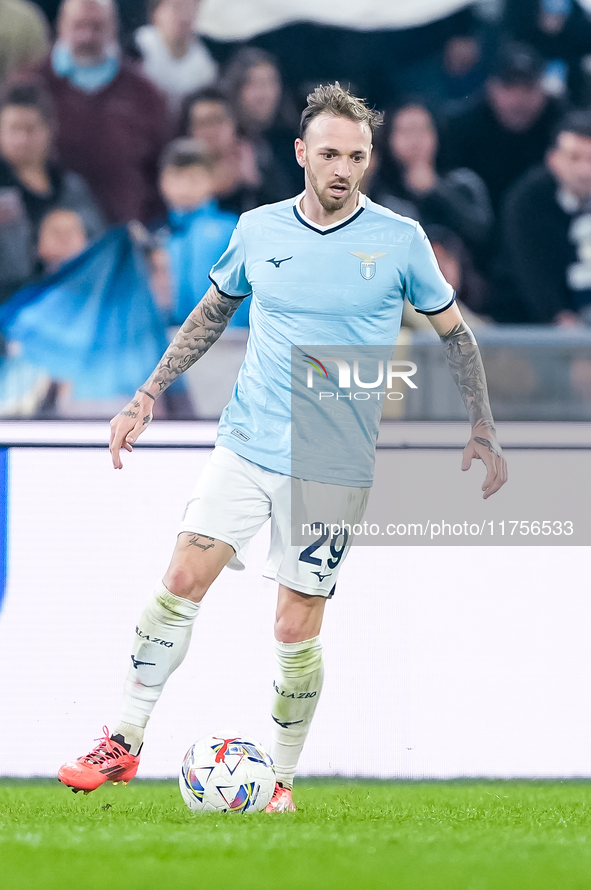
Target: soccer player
(300, 259)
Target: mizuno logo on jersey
(277, 263)
(368, 263)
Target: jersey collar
(326, 230)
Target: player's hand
(484, 446)
(128, 425)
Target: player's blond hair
(332, 98)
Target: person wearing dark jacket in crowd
(458, 270)
(545, 265)
(410, 179)
(265, 116)
(32, 184)
(112, 122)
(239, 181)
(509, 128)
(560, 30)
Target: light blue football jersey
(342, 285)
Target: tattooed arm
(465, 363)
(202, 328)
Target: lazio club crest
(368, 263)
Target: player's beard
(331, 205)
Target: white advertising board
(440, 662)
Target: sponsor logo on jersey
(277, 263)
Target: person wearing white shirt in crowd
(173, 56)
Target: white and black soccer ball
(225, 773)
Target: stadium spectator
(410, 180)
(442, 61)
(509, 128)
(24, 36)
(112, 122)
(458, 270)
(197, 230)
(265, 116)
(545, 266)
(561, 31)
(62, 236)
(16, 260)
(31, 184)
(239, 183)
(173, 56)
(462, 67)
(50, 8)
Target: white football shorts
(235, 497)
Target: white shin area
(296, 691)
(161, 642)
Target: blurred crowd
(121, 118)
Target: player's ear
(300, 152)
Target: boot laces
(279, 791)
(105, 750)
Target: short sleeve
(229, 273)
(426, 288)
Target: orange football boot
(281, 801)
(110, 761)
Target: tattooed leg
(196, 562)
(201, 541)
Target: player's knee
(285, 632)
(188, 583)
(288, 629)
(299, 616)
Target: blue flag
(93, 322)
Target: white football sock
(161, 642)
(295, 696)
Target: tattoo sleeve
(202, 328)
(465, 364)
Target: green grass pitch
(475, 835)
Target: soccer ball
(227, 773)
